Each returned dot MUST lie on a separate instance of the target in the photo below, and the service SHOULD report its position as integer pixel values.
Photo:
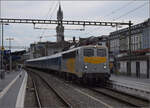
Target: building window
(137, 39)
(118, 65)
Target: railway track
(36, 95)
(125, 98)
(114, 95)
(31, 98)
(74, 97)
(139, 91)
(40, 98)
(133, 99)
(110, 97)
(120, 96)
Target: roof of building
(137, 26)
(92, 40)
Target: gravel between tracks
(47, 97)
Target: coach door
(148, 68)
(128, 69)
(77, 63)
(138, 69)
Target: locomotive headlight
(104, 67)
(85, 67)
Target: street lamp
(10, 58)
(2, 51)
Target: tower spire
(60, 27)
(59, 5)
(59, 13)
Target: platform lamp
(10, 57)
(2, 74)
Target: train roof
(59, 54)
(97, 46)
(46, 57)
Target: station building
(140, 50)
(48, 48)
(99, 40)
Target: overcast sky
(24, 34)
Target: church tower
(60, 27)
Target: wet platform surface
(11, 88)
(138, 83)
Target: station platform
(137, 86)
(143, 81)
(12, 89)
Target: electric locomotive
(86, 63)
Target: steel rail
(111, 86)
(37, 95)
(55, 91)
(120, 96)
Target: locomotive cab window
(88, 52)
(101, 52)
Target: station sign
(3, 48)
(5, 52)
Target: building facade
(140, 49)
(146, 37)
(41, 49)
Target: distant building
(36, 50)
(140, 39)
(140, 49)
(57, 47)
(146, 35)
(41, 49)
(99, 40)
(25, 56)
(18, 57)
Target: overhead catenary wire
(50, 9)
(113, 12)
(46, 16)
(135, 9)
(50, 16)
(118, 9)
